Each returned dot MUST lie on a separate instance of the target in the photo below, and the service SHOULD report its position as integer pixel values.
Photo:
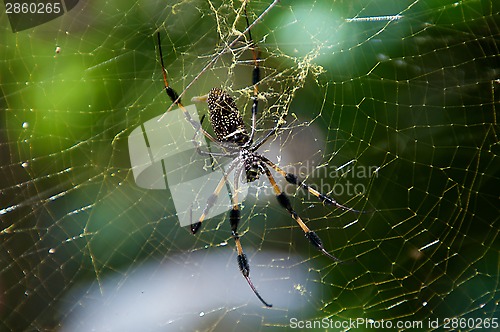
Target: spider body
(233, 138)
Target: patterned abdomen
(225, 118)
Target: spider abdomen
(226, 120)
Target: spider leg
(212, 199)
(285, 202)
(174, 96)
(255, 78)
(198, 145)
(292, 178)
(234, 218)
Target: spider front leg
(255, 79)
(174, 96)
(285, 202)
(234, 218)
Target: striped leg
(285, 202)
(234, 219)
(255, 78)
(212, 199)
(292, 178)
(174, 96)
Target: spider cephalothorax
(252, 164)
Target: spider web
(391, 109)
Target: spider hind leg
(284, 201)
(234, 218)
(293, 179)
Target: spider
(238, 143)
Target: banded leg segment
(243, 265)
(212, 199)
(255, 78)
(285, 202)
(174, 96)
(292, 178)
(255, 102)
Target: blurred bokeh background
(399, 98)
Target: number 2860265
(33, 8)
